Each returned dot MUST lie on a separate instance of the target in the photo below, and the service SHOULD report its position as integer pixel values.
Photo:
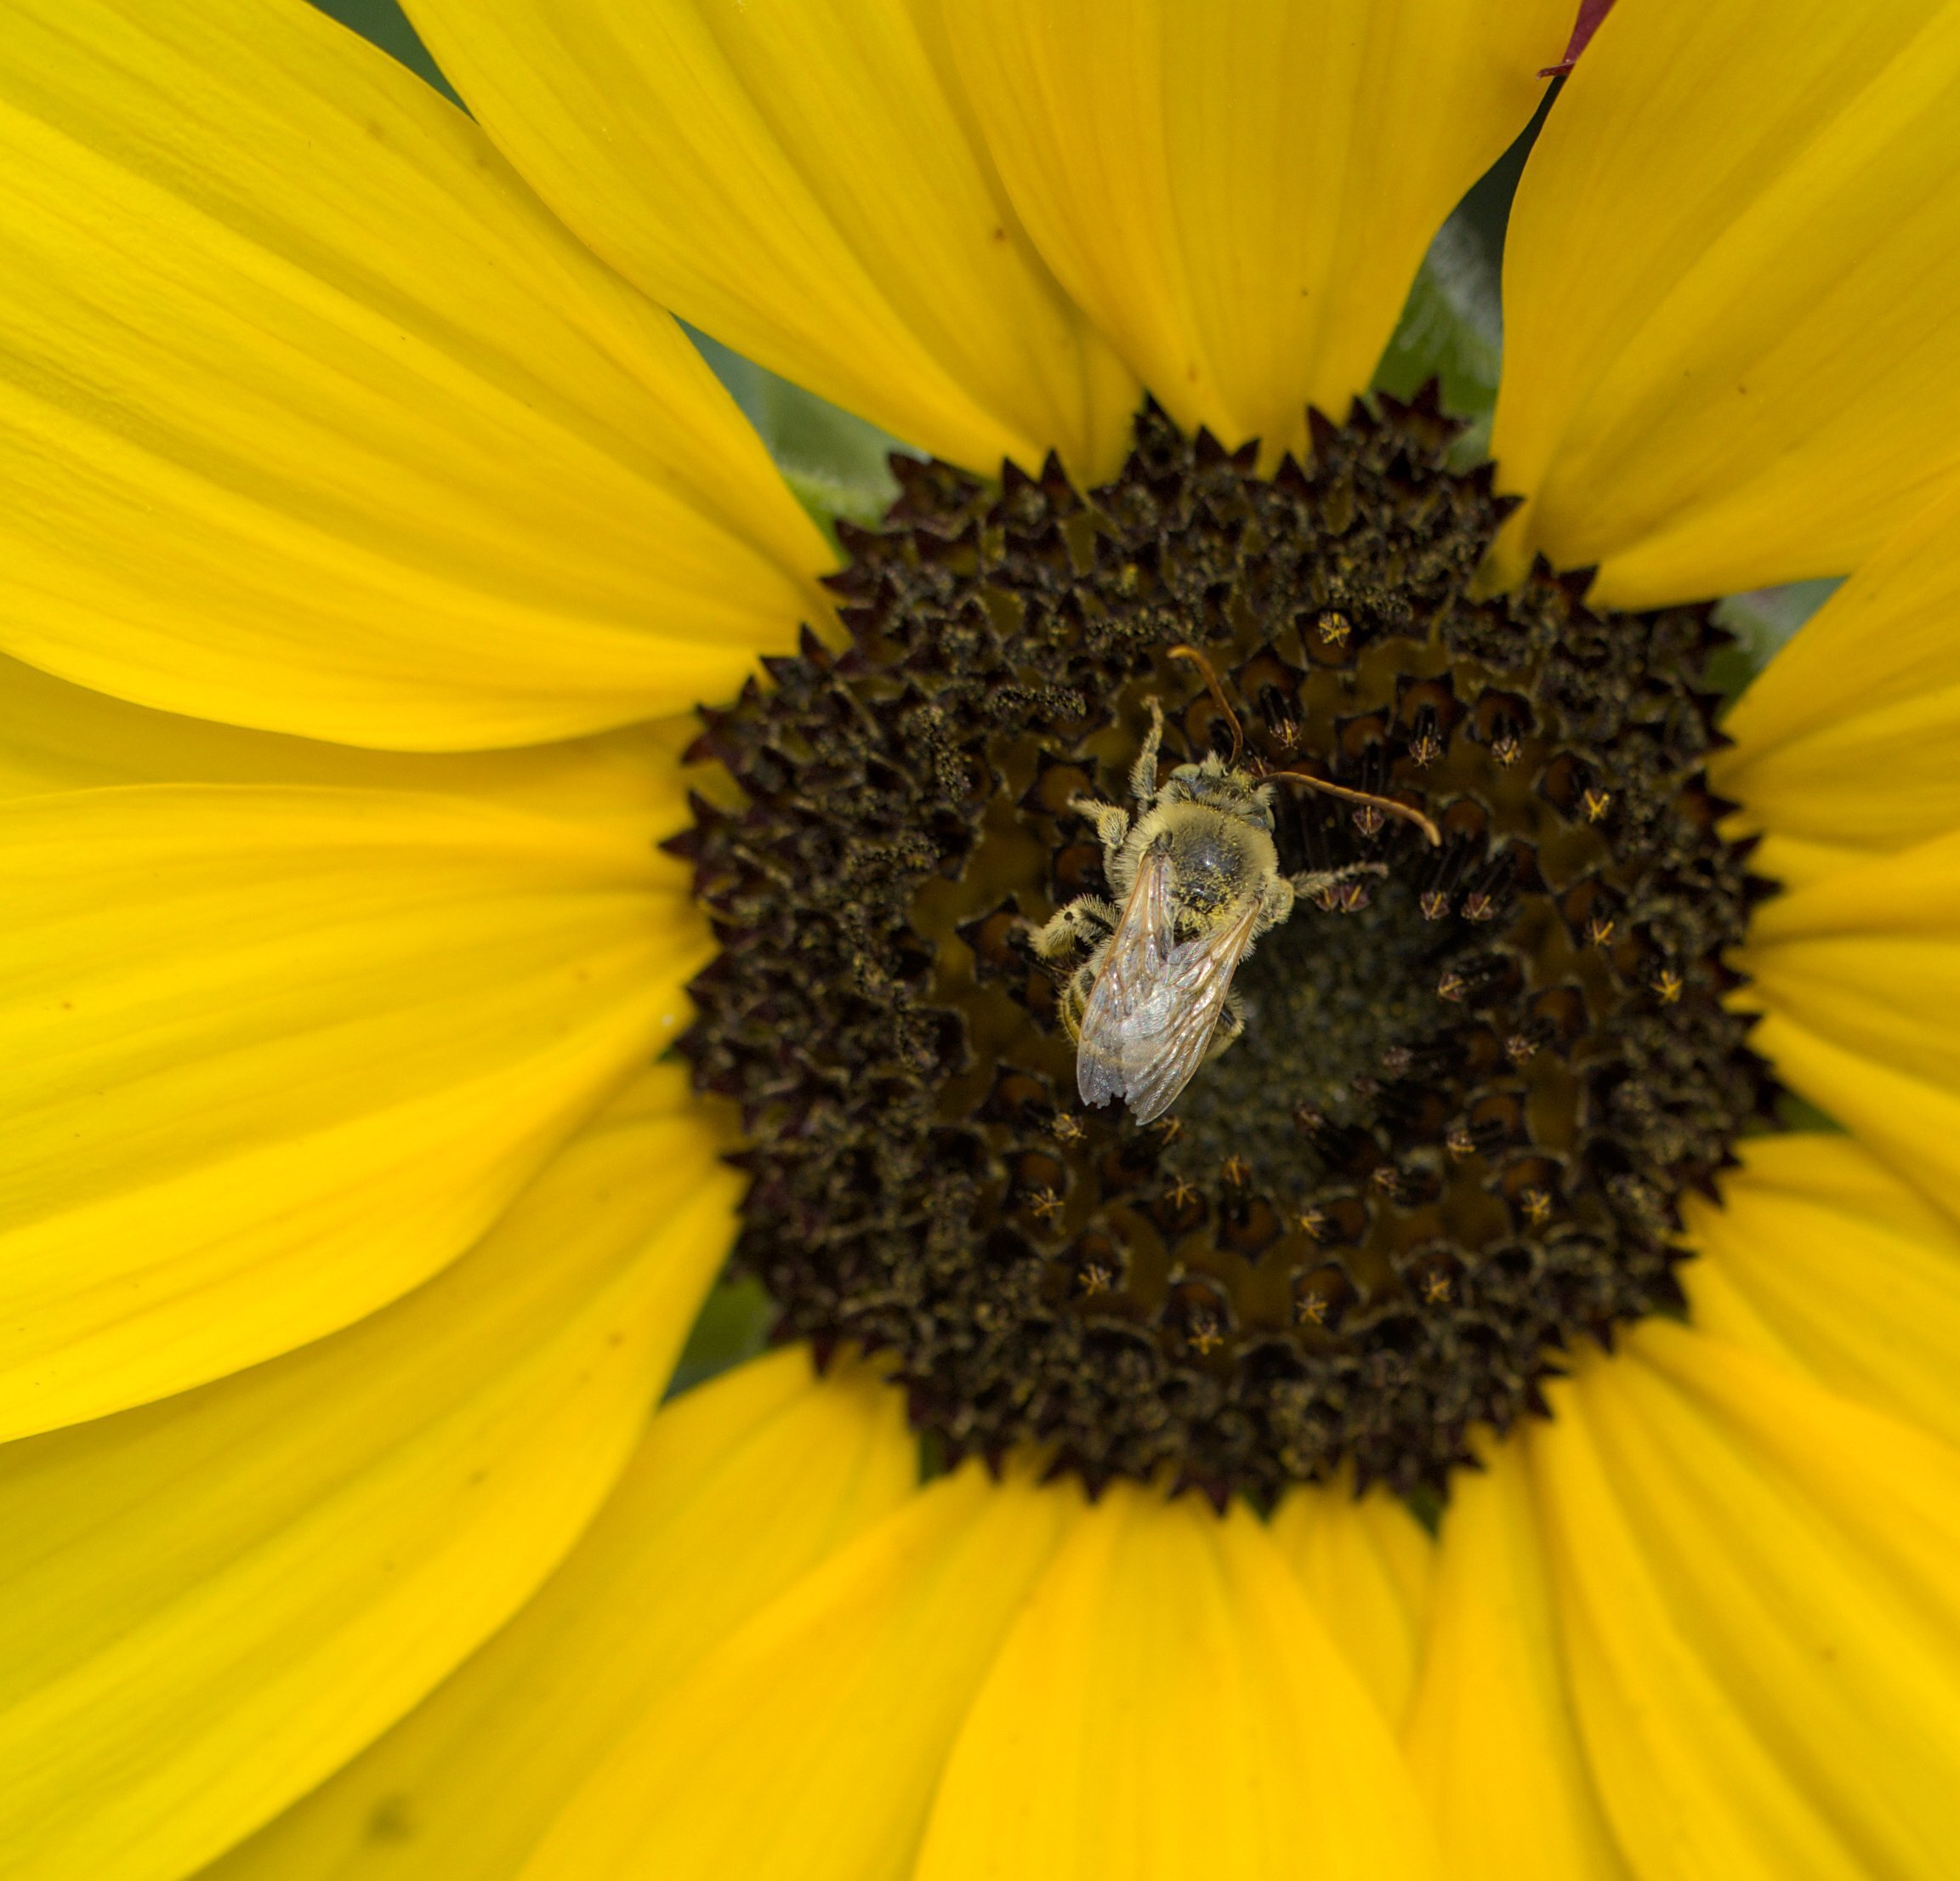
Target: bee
(1198, 879)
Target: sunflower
(1463, 1438)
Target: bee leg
(1232, 1023)
(1144, 771)
(1315, 882)
(1075, 1000)
(1112, 827)
(1083, 922)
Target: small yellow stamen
(1598, 803)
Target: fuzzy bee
(1198, 877)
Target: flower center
(1470, 1068)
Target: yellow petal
(1169, 1704)
(1491, 1735)
(207, 1604)
(797, 179)
(1241, 200)
(740, 1489)
(1822, 1255)
(1858, 975)
(311, 418)
(1366, 1565)
(1729, 278)
(1847, 735)
(277, 1055)
(808, 1743)
(56, 736)
(1787, 1568)
(1687, 1781)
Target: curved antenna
(1183, 652)
(1389, 803)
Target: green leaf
(1762, 620)
(1451, 329)
(384, 23)
(733, 1326)
(833, 461)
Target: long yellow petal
(1847, 737)
(808, 1743)
(1170, 1705)
(798, 179)
(275, 1055)
(1366, 1566)
(312, 418)
(1687, 1781)
(57, 736)
(1491, 1736)
(741, 1488)
(1858, 975)
(1728, 280)
(1241, 199)
(1820, 1254)
(1795, 1571)
(207, 1604)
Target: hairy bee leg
(1076, 997)
(1083, 922)
(1312, 882)
(1232, 1023)
(1144, 771)
(1112, 828)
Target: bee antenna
(1389, 803)
(1218, 693)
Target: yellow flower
(369, 529)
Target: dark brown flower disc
(1471, 1090)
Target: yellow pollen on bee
(1598, 803)
(1334, 629)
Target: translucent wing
(1156, 1005)
(1129, 978)
(1162, 1051)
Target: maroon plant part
(1591, 13)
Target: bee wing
(1169, 1041)
(1130, 980)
